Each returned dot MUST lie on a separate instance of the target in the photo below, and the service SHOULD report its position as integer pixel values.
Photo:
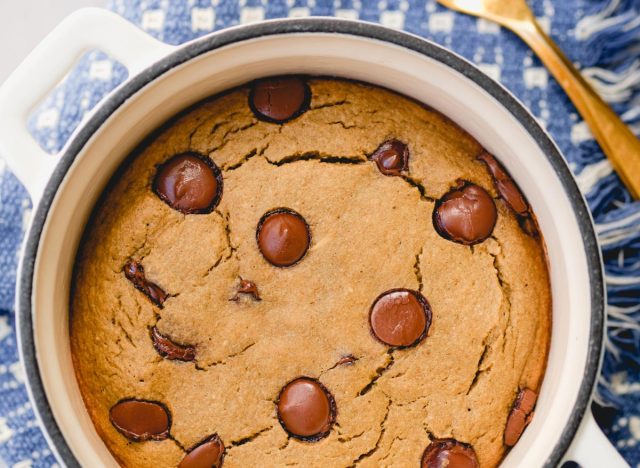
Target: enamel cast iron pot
(164, 80)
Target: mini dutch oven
(163, 80)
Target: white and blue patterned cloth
(603, 36)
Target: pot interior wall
(369, 60)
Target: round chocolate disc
(391, 157)
(279, 99)
(140, 420)
(306, 409)
(283, 237)
(449, 453)
(189, 183)
(207, 454)
(466, 215)
(400, 317)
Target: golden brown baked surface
(370, 233)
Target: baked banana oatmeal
(311, 272)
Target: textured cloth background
(603, 36)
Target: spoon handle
(617, 141)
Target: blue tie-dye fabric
(601, 35)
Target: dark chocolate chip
(346, 360)
(400, 317)
(520, 416)
(283, 237)
(505, 185)
(528, 225)
(467, 214)
(515, 427)
(279, 99)
(449, 453)
(249, 288)
(511, 194)
(207, 454)
(526, 400)
(189, 183)
(391, 157)
(134, 272)
(141, 420)
(168, 349)
(306, 409)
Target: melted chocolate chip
(528, 225)
(400, 317)
(467, 214)
(207, 454)
(347, 360)
(526, 400)
(505, 185)
(249, 288)
(391, 157)
(168, 349)
(520, 416)
(514, 428)
(449, 453)
(306, 409)
(141, 420)
(134, 272)
(283, 237)
(511, 194)
(189, 183)
(279, 99)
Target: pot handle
(592, 449)
(46, 66)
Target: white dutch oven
(164, 80)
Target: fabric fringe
(609, 33)
(618, 85)
(618, 229)
(612, 43)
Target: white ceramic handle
(46, 66)
(592, 449)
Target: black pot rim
(293, 26)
